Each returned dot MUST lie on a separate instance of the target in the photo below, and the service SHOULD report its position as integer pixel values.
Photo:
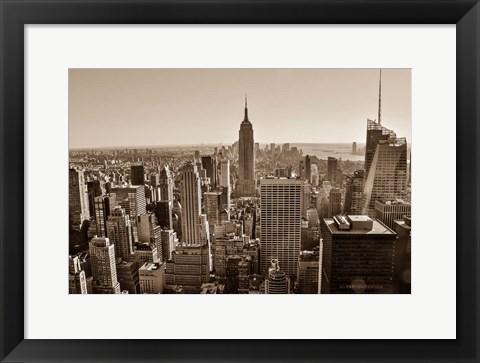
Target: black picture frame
(15, 14)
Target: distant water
(323, 151)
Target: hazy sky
(123, 107)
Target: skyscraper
(375, 133)
(306, 198)
(387, 173)
(210, 165)
(358, 184)
(213, 207)
(301, 169)
(103, 205)
(94, 189)
(332, 166)
(308, 168)
(281, 222)
(138, 175)
(225, 184)
(335, 202)
(169, 240)
(149, 231)
(132, 199)
(225, 173)
(164, 214)
(190, 194)
(77, 199)
(104, 271)
(358, 255)
(166, 184)
(246, 158)
(120, 232)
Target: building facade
(281, 222)
(152, 278)
(189, 268)
(309, 276)
(137, 174)
(387, 173)
(132, 199)
(190, 194)
(77, 199)
(388, 211)
(120, 233)
(104, 271)
(358, 255)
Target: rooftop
(378, 227)
(150, 266)
(393, 201)
(276, 180)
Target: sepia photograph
(239, 181)
(240, 148)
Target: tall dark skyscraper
(94, 190)
(308, 168)
(103, 205)
(354, 193)
(332, 166)
(164, 208)
(335, 202)
(138, 175)
(164, 213)
(246, 158)
(210, 165)
(358, 255)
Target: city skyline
(179, 106)
(241, 218)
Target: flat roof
(281, 181)
(359, 218)
(378, 227)
(151, 266)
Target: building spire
(245, 118)
(380, 99)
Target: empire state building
(246, 158)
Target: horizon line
(208, 144)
